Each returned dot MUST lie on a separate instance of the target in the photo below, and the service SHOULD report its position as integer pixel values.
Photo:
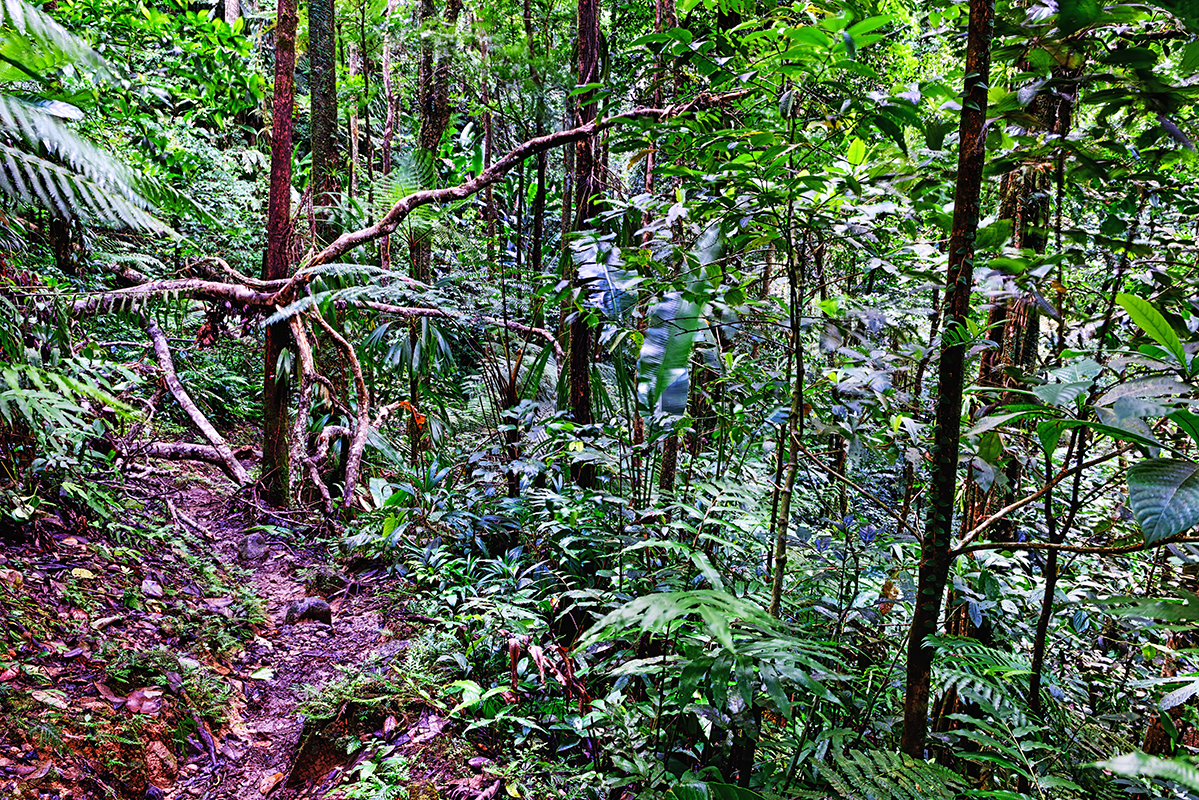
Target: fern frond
(28, 179)
(38, 34)
(883, 775)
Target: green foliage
(1164, 495)
(882, 775)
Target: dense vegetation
(756, 400)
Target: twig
(890, 511)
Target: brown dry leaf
(9, 674)
(269, 782)
(34, 772)
(54, 699)
(430, 726)
(101, 624)
(11, 577)
(109, 694)
(147, 700)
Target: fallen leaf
(9, 674)
(269, 781)
(104, 622)
(109, 694)
(264, 674)
(54, 699)
(35, 772)
(147, 700)
(11, 576)
(151, 588)
(80, 572)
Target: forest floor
(218, 658)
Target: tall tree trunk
(323, 92)
(434, 103)
(389, 123)
(277, 264)
(232, 11)
(938, 533)
(587, 188)
(352, 67)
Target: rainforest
(599, 399)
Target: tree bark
(587, 187)
(434, 103)
(935, 558)
(277, 263)
(323, 92)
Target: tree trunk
(323, 92)
(352, 66)
(434, 103)
(389, 123)
(277, 263)
(938, 533)
(232, 11)
(587, 187)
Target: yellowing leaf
(80, 572)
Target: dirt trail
(265, 749)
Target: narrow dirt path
(265, 748)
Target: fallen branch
(406, 205)
(188, 451)
(363, 426)
(193, 287)
(163, 353)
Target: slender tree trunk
(587, 188)
(232, 11)
(434, 103)
(323, 92)
(277, 263)
(389, 123)
(352, 67)
(935, 548)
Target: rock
(310, 608)
(325, 580)
(161, 766)
(252, 549)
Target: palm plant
(44, 163)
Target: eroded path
(180, 663)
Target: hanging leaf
(1139, 765)
(1164, 496)
(1151, 321)
(666, 354)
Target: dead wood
(163, 353)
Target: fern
(883, 775)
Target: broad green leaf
(1188, 422)
(711, 791)
(1151, 321)
(1139, 765)
(1061, 394)
(664, 361)
(1164, 496)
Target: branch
(1105, 550)
(363, 426)
(163, 353)
(390, 221)
(188, 451)
(1065, 472)
(193, 287)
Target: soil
(217, 724)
